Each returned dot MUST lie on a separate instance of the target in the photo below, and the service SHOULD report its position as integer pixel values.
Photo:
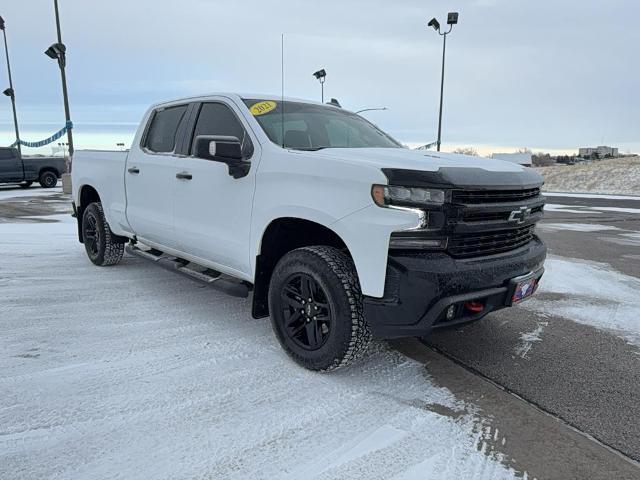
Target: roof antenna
(282, 85)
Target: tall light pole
(452, 19)
(58, 51)
(321, 75)
(9, 92)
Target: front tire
(48, 179)
(99, 242)
(316, 308)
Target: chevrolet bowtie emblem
(520, 215)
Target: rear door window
(161, 136)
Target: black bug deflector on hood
(464, 178)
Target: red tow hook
(475, 307)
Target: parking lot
(138, 367)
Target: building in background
(519, 158)
(597, 152)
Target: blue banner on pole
(46, 141)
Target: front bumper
(420, 288)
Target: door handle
(134, 170)
(184, 176)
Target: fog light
(451, 312)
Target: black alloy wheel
(306, 311)
(102, 246)
(48, 180)
(316, 308)
(91, 235)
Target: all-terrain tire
(101, 245)
(335, 274)
(48, 179)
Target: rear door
(10, 165)
(150, 176)
(212, 210)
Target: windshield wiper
(306, 149)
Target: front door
(150, 178)
(10, 166)
(212, 210)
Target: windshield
(313, 127)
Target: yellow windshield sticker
(261, 108)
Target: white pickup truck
(340, 232)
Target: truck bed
(104, 170)
(33, 164)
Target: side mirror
(219, 148)
(223, 149)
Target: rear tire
(48, 179)
(329, 331)
(99, 242)
(25, 184)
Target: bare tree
(467, 151)
(524, 150)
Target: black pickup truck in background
(26, 170)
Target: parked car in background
(26, 170)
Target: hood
(424, 160)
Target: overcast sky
(549, 75)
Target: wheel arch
(48, 168)
(87, 194)
(281, 236)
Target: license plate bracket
(523, 287)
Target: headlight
(384, 195)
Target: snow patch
(138, 373)
(576, 227)
(616, 209)
(615, 176)
(593, 294)
(8, 193)
(553, 207)
(590, 195)
(528, 339)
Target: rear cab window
(163, 129)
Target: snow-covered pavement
(10, 192)
(591, 293)
(134, 372)
(552, 207)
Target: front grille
(489, 243)
(494, 216)
(493, 196)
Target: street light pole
(58, 51)
(444, 48)
(10, 92)
(321, 76)
(452, 19)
